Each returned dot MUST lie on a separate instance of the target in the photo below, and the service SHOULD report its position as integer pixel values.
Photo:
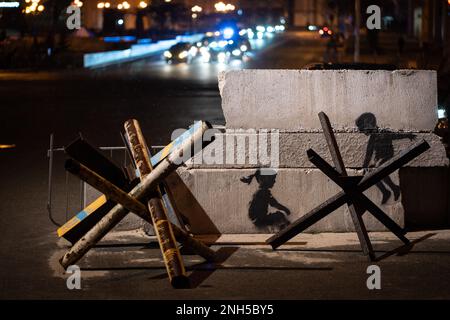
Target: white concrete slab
(217, 201)
(291, 99)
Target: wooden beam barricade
(94, 159)
(162, 226)
(146, 186)
(117, 195)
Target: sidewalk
(312, 266)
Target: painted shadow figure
(380, 148)
(262, 200)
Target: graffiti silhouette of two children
(380, 148)
(263, 199)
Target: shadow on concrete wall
(192, 211)
(424, 190)
(262, 200)
(379, 150)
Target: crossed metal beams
(351, 194)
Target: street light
(77, 3)
(196, 9)
(33, 7)
(230, 7)
(143, 4)
(123, 6)
(222, 7)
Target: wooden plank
(162, 226)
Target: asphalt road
(96, 103)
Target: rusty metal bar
(116, 214)
(360, 198)
(163, 229)
(116, 194)
(355, 212)
(341, 198)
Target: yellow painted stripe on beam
(166, 150)
(67, 226)
(95, 205)
(81, 215)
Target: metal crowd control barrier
(84, 207)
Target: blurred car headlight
(223, 43)
(221, 57)
(270, 29)
(236, 52)
(193, 51)
(183, 55)
(167, 54)
(206, 56)
(260, 35)
(243, 48)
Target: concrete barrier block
(291, 149)
(291, 99)
(218, 201)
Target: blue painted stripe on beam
(157, 158)
(81, 215)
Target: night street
(327, 178)
(95, 103)
(163, 97)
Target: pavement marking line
(100, 201)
